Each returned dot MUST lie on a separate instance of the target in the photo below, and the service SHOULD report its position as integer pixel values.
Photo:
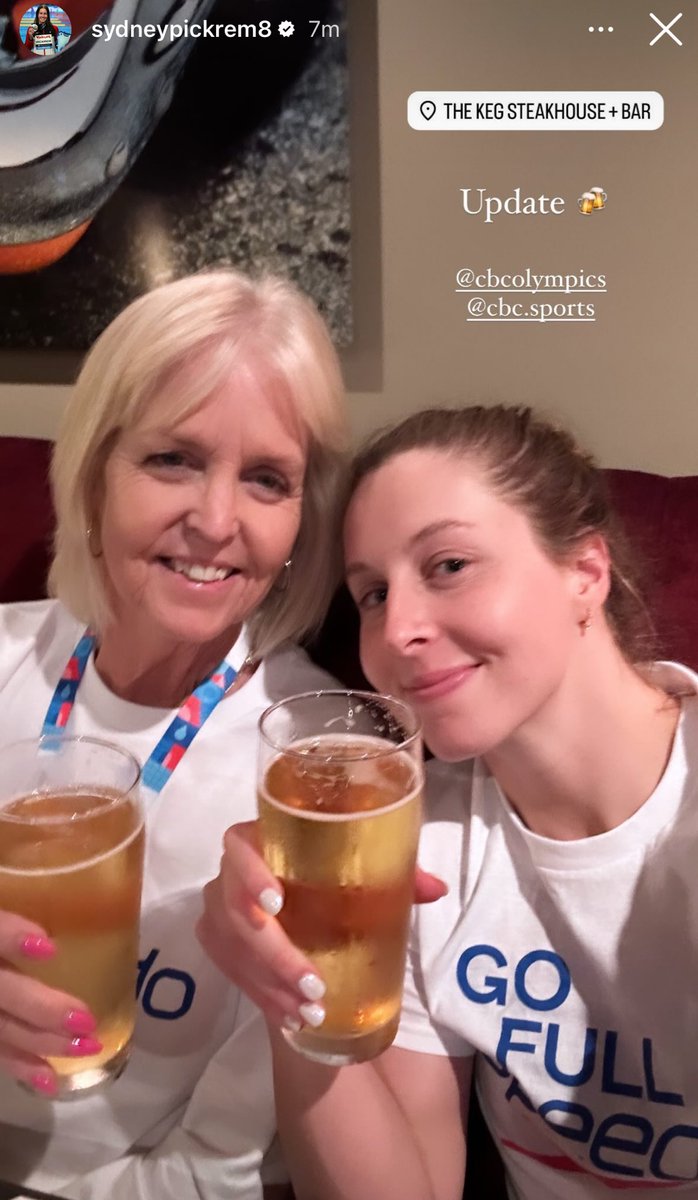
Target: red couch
(660, 514)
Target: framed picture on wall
(134, 160)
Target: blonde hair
(539, 468)
(223, 321)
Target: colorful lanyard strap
(179, 734)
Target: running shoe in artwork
(73, 121)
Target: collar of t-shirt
(124, 716)
(646, 824)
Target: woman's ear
(590, 570)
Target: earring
(585, 624)
(284, 580)
(90, 546)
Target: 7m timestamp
(323, 30)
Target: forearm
(179, 1167)
(217, 1148)
(343, 1133)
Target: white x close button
(666, 29)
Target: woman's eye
(450, 566)
(371, 599)
(166, 458)
(271, 482)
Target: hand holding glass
(339, 787)
(71, 860)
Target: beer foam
(101, 800)
(362, 758)
(315, 815)
(20, 856)
(359, 747)
(76, 866)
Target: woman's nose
(407, 622)
(215, 515)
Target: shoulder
(681, 683)
(31, 630)
(673, 677)
(289, 670)
(27, 619)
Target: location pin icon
(427, 108)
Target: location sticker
(549, 111)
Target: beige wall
(627, 383)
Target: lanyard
(179, 734)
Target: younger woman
(559, 971)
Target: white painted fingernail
(311, 986)
(292, 1024)
(270, 901)
(312, 1014)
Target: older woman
(192, 478)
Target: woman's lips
(439, 683)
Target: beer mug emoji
(600, 197)
(586, 203)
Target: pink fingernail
(43, 1081)
(79, 1020)
(84, 1045)
(35, 946)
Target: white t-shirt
(197, 1091)
(571, 970)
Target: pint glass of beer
(339, 790)
(71, 859)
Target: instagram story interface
(544, 154)
(487, 200)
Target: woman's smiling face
(199, 516)
(463, 613)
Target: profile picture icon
(45, 29)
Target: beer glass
(339, 790)
(71, 859)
